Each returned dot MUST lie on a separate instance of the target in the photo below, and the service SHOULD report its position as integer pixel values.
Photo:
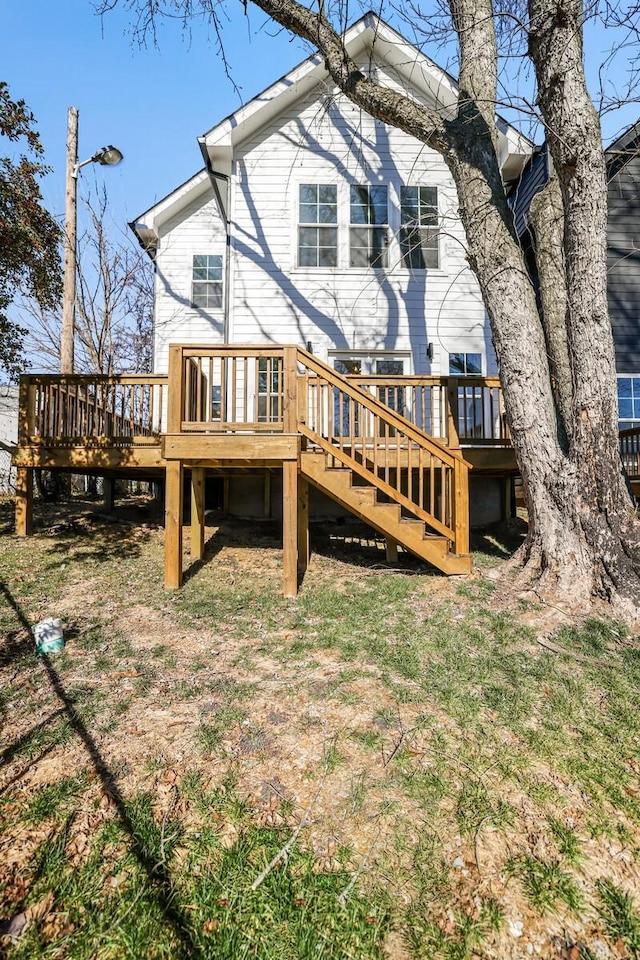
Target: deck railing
(458, 410)
(630, 451)
(226, 389)
(68, 409)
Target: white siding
(324, 139)
(198, 230)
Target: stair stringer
(337, 483)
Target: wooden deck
(395, 451)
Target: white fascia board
(150, 222)
(391, 49)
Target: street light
(106, 156)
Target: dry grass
(455, 787)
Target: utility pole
(70, 245)
(105, 156)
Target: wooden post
(303, 524)
(175, 385)
(108, 493)
(173, 525)
(197, 512)
(24, 501)
(290, 527)
(266, 494)
(452, 413)
(226, 495)
(290, 404)
(461, 507)
(391, 550)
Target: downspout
(215, 176)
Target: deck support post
(197, 513)
(173, 525)
(24, 501)
(391, 549)
(266, 495)
(290, 527)
(303, 524)
(108, 493)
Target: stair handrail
(370, 401)
(458, 531)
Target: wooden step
(337, 482)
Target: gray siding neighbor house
(623, 254)
(623, 266)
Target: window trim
(210, 282)
(317, 225)
(418, 228)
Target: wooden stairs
(386, 518)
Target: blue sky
(152, 103)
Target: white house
(313, 223)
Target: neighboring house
(623, 254)
(8, 436)
(313, 223)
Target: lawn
(394, 765)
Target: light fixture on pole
(106, 156)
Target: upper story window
(206, 289)
(629, 401)
(465, 365)
(317, 239)
(369, 218)
(419, 227)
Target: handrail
(384, 448)
(66, 409)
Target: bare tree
(114, 304)
(560, 391)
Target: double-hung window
(369, 230)
(206, 289)
(419, 227)
(318, 225)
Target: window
(318, 242)
(465, 365)
(419, 227)
(629, 402)
(269, 390)
(470, 417)
(368, 234)
(366, 365)
(206, 289)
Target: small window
(629, 402)
(206, 291)
(419, 227)
(368, 234)
(317, 239)
(465, 365)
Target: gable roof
(369, 36)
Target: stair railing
(358, 431)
